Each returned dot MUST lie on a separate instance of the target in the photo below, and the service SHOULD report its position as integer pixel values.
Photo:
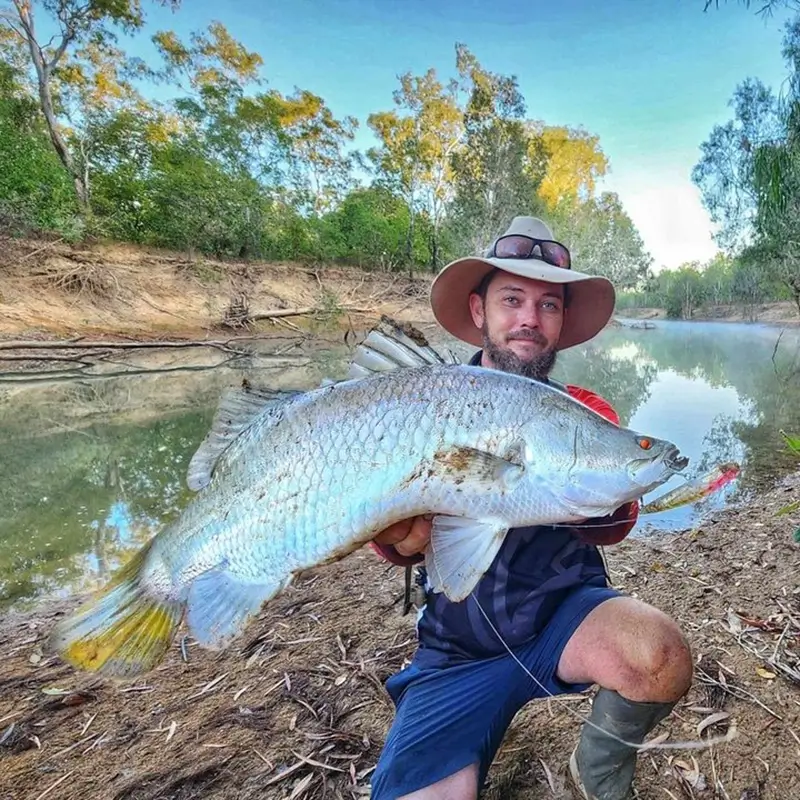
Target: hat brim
(591, 297)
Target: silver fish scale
(344, 461)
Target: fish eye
(645, 443)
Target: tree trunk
(43, 76)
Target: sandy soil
(296, 708)
(53, 289)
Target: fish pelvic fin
(393, 345)
(220, 605)
(460, 552)
(123, 630)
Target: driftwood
(76, 344)
(301, 312)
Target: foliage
(749, 177)
(224, 164)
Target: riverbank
(298, 703)
(783, 314)
(54, 289)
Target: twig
(53, 785)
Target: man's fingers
(395, 533)
(417, 539)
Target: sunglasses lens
(513, 247)
(555, 254)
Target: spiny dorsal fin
(393, 345)
(237, 411)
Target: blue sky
(649, 77)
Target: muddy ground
(297, 708)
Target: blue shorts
(452, 717)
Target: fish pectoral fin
(478, 468)
(460, 551)
(237, 411)
(219, 605)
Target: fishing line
(694, 745)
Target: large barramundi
(289, 482)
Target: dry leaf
(765, 673)
(710, 720)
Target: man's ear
(476, 309)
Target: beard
(537, 367)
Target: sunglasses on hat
(520, 246)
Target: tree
(573, 162)
(495, 176)
(417, 143)
(322, 168)
(88, 23)
(603, 240)
(724, 173)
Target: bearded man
(546, 595)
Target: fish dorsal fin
(237, 411)
(392, 345)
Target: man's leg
(448, 726)
(643, 666)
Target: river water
(91, 469)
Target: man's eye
(511, 299)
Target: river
(91, 469)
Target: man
(546, 593)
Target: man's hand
(409, 536)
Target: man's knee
(631, 647)
(658, 667)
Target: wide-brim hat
(591, 297)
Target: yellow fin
(122, 631)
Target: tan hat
(591, 298)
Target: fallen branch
(302, 312)
(74, 344)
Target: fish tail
(123, 630)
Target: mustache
(528, 335)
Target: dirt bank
(783, 314)
(54, 289)
(297, 709)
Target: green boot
(602, 767)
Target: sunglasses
(519, 246)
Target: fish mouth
(673, 459)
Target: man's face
(521, 321)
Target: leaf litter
(297, 708)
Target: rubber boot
(605, 766)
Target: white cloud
(669, 215)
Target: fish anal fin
(478, 468)
(237, 411)
(220, 605)
(460, 552)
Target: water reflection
(90, 471)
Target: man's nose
(528, 316)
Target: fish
(287, 481)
